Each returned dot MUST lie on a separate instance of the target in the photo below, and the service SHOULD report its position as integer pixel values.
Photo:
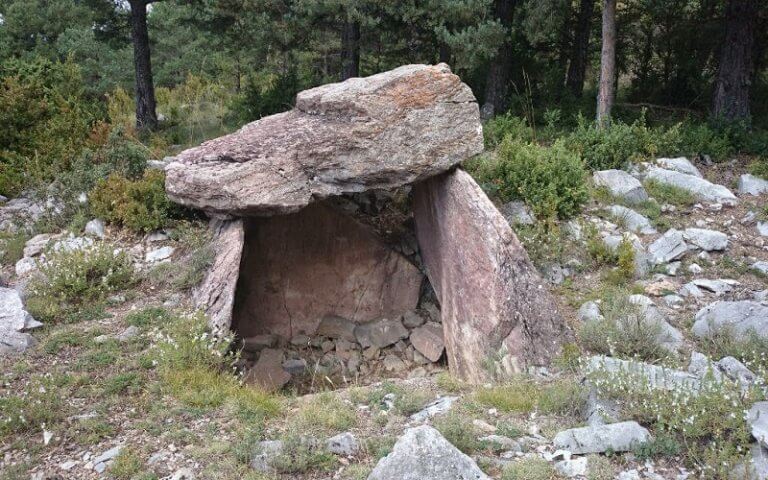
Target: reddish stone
(299, 268)
(495, 308)
(268, 372)
(428, 340)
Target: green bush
(759, 168)
(78, 278)
(500, 127)
(549, 179)
(617, 145)
(140, 205)
(46, 121)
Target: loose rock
(622, 185)
(616, 437)
(702, 189)
(739, 318)
(752, 185)
(707, 240)
(668, 247)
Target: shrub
(531, 468)
(520, 396)
(549, 179)
(619, 144)
(140, 205)
(623, 330)
(458, 429)
(506, 126)
(12, 247)
(74, 278)
(759, 168)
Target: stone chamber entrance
(336, 293)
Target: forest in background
(77, 88)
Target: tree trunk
(580, 48)
(497, 83)
(731, 97)
(350, 50)
(146, 116)
(607, 93)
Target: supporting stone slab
(216, 294)
(496, 309)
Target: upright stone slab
(216, 294)
(494, 304)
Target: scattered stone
(690, 290)
(392, 363)
(25, 265)
(257, 343)
(739, 318)
(757, 418)
(483, 426)
(439, 406)
(621, 184)
(300, 340)
(517, 213)
(673, 300)
(703, 190)
(428, 340)
(68, 465)
(752, 185)
(295, 366)
(159, 254)
(707, 240)
(72, 244)
(13, 316)
(679, 164)
(423, 454)
(577, 467)
(183, 474)
(268, 371)
(343, 444)
(668, 247)
(761, 267)
(701, 366)
(333, 326)
(380, 333)
(412, 319)
(655, 376)
(736, 371)
(695, 268)
(105, 457)
(95, 228)
(37, 244)
(634, 221)
(502, 442)
(672, 268)
(127, 334)
(642, 260)
(590, 312)
(157, 236)
(600, 411)
(616, 437)
(762, 229)
(717, 287)
(668, 336)
(266, 450)
(13, 342)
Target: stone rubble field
(94, 399)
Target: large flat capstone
(382, 131)
(494, 304)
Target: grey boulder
(702, 189)
(13, 342)
(707, 240)
(423, 454)
(380, 333)
(668, 247)
(622, 185)
(740, 318)
(13, 316)
(634, 221)
(679, 164)
(752, 185)
(757, 418)
(616, 437)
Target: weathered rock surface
(757, 418)
(13, 316)
(300, 268)
(740, 318)
(616, 437)
(216, 293)
(760, 266)
(620, 184)
(517, 213)
(703, 190)
(653, 375)
(634, 221)
(428, 340)
(95, 228)
(423, 454)
(668, 247)
(652, 319)
(343, 444)
(752, 185)
(718, 286)
(380, 333)
(333, 326)
(13, 342)
(707, 240)
(268, 372)
(736, 371)
(493, 301)
(437, 407)
(679, 164)
(382, 131)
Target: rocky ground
(666, 295)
